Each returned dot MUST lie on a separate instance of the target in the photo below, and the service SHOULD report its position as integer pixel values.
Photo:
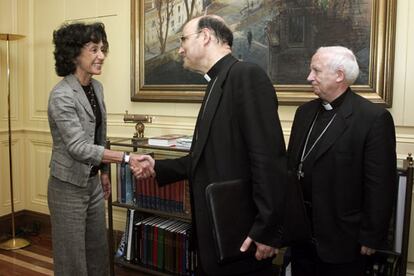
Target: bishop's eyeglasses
(185, 37)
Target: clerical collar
(335, 103)
(213, 72)
(327, 106)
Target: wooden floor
(36, 259)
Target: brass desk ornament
(139, 121)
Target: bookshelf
(408, 169)
(393, 262)
(395, 259)
(184, 216)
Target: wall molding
(185, 123)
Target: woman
(77, 120)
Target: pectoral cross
(300, 173)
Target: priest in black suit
(237, 136)
(342, 152)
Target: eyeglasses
(185, 37)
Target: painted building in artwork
(299, 27)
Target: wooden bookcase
(400, 223)
(394, 259)
(399, 257)
(159, 152)
(408, 171)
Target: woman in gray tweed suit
(77, 120)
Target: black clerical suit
(237, 136)
(349, 177)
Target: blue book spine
(123, 187)
(129, 196)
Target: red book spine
(168, 199)
(157, 198)
(155, 246)
(162, 195)
(145, 193)
(181, 196)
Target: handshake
(142, 166)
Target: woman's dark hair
(69, 40)
(218, 26)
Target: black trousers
(306, 262)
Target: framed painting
(279, 35)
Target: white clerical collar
(207, 77)
(327, 106)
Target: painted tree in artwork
(164, 13)
(189, 8)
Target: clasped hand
(142, 166)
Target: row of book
(158, 243)
(126, 185)
(146, 193)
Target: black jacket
(238, 137)
(353, 176)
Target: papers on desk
(166, 140)
(185, 142)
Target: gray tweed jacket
(72, 124)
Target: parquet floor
(36, 260)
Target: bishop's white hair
(342, 58)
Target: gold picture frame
(379, 54)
